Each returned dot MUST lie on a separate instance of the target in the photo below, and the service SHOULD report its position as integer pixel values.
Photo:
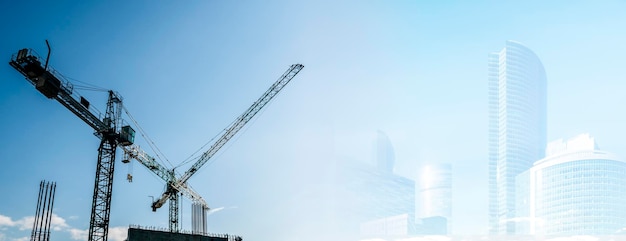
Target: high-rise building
(517, 127)
(435, 197)
(576, 190)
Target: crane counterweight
(30, 66)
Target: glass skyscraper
(576, 190)
(517, 127)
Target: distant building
(435, 198)
(371, 193)
(385, 156)
(576, 190)
(517, 127)
(399, 226)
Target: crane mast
(103, 186)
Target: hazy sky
(415, 70)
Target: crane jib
(241, 121)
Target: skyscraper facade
(517, 127)
(576, 190)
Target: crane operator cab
(127, 136)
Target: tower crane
(106, 127)
(112, 134)
(176, 184)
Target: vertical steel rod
(43, 214)
(33, 232)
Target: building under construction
(137, 233)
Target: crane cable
(85, 86)
(74, 89)
(193, 158)
(159, 154)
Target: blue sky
(415, 70)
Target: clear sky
(415, 70)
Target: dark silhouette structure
(137, 233)
(43, 214)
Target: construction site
(117, 129)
